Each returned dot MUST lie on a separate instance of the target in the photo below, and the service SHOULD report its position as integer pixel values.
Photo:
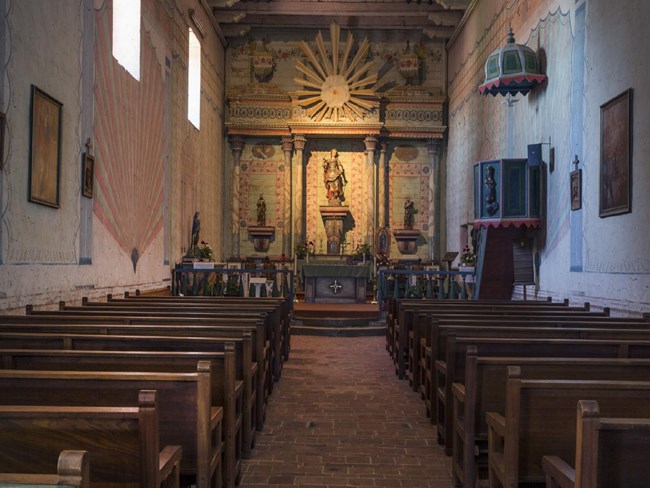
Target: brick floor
(339, 417)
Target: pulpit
(335, 283)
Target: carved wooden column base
(333, 217)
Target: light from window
(194, 82)
(126, 35)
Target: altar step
(344, 320)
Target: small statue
(491, 195)
(196, 229)
(334, 178)
(261, 211)
(409, 213)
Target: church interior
(230, 102)
(461, 153)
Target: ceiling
(436, 19)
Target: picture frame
(45, 149)
(2, 139)
(88, 175)
(576, 189)
(616, 155)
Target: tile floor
(339, 417)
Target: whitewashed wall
(84, 247)
(582, 256)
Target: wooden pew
(453, 368)
(72, 471)
(405, 308)
(484, 389)
(149, 354)
(271, 311)
(223, 387)
(539, 419)
(123, 443)
(432, 334)
(284, 303)
(403, 329)
(187, 417)
(178, 315)
(609, 452)
(248, 359)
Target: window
(126, 35)
(194, 82)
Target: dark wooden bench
(86, 352)
(404, 309)
(539, 420)
(284, 305)
(532, 328)
(72, 471)
(484, 390)
(187, 416)
(270, 310)
(432, 334)
(247, 369)
(453, 368)
(174, 315)
(609, 452)
(225, 391)
(123, 443)
(403, 329)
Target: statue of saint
(492, 206)
(196, 229)
(334, 178)
(409, 213)
(261, 211)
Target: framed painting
(576, 189)
(88, 175)
(616, 155)
(45, 149)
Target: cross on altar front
(336, 286)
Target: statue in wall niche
(261, 211)
(491, 193)
(409, 213)
(334, 178)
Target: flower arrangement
(204, 252)
(382, 259)
(303, 248)
(362, 251)
(467, 257)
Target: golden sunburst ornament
(333, 88)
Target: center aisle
(340, 417)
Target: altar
(335, 283)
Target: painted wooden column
(287, 148)
(383, 173)
(236, 146)
(371, 178)
(297, 193)
(433, 234)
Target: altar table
(335, 283)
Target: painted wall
(588, 51)
(136, 226)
